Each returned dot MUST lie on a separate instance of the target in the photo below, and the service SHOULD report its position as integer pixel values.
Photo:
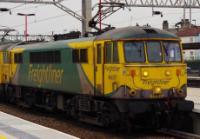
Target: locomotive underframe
(97, 110)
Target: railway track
(193, 81)
(178, 134)
(84, 131)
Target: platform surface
(193, 78)
(196, 78)
(194, 95)
(12, 127)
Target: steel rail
(179, 134)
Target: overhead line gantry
(128, 3)
(111, 6)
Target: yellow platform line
(2, 136)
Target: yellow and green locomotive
(105, 79)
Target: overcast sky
(49, 18)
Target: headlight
(157, 91)
(167, 73)
(145, 74)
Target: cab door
(6, 66)
(99, 65)
(112, 68)
(107, 67)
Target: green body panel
(61, 77)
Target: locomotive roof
(52, 45)
(7, 45)
(135, 32)
(116, 34)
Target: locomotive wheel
(70, 108)
(109, 115)
(182, 121)
(29, 99)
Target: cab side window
(83, 55)
(108, 52)
(115, 53)
(18, 58)
(75, 56)
(111, 53)
(80, 56)
(99, 53)
(6, 57)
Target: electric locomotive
(113, 77)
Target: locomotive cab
(142, 66)
(154, 69)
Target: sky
(50, 19)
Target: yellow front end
(156, 81)
(147, 69)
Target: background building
(188, 33)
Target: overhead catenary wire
(42, 20)
(146, 17)
(62, 15)
(4, 26)
(20, 5)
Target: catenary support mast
(87, 15)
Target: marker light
(157, 90)
(132, 73)
(167, 73)
(145, 73)
(178, 72)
